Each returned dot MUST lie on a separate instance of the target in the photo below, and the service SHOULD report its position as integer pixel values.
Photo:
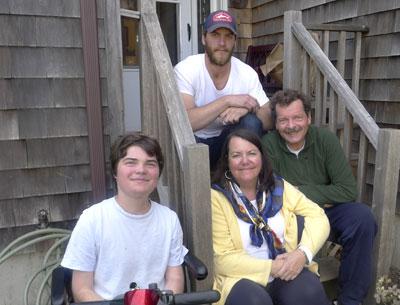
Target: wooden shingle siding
(44, 181)
(5, 63)
(380, 90)
(384, 112)
(17, 31)
(377, 68)
(42, 62)
(34, 31)
(58, 32)
(57, 152)
(9, 128)
(48, 123)
(23, 212)
(43, 117)
(29, 93)
(64, 8)
(13, 154)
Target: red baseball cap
(220, 19)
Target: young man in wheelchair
(127, 238)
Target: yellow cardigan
(232, 262)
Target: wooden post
(305, 78)
(90, 46)
(325, 102)
(355, 82)
(333, 112)
(362, 166)
(114, 68)
(340, 64)
(147, 79)
(319, 87)
(152, 37)
(347, 134)
(197, 210)
(386, 178)
(291, 52)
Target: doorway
(177, 18)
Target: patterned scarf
(267, 206)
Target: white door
(178, 22)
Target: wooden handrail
(177, 116)
(361, 116)
(337, 27)
(185, 182)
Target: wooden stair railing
(377, 147)
(185, 182)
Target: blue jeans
(250, 121)
(353, 226)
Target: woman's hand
(276, 266)
(292, 264)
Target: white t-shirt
(193, 78)
(121, 248)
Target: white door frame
(218, 5)
(187, 17)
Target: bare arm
(82, 287)
(264, 114)
(201, 117)
(174, 279)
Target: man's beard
(214, 60)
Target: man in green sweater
(312, 159)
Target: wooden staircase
(376, 147)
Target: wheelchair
(61, 292)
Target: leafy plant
(387, 292)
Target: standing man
(312, 159)
(127, 238)
(219, 91)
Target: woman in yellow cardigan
(257, 255)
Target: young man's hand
(232, 115)
(243, 100)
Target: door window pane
(203, 9)
(129, 4)
(130, 41)
(167, 14)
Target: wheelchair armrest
(61, 286)
(195, 267)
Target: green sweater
(321, 170)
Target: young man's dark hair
(148, 144)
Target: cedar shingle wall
(44, 154)
(380, 73)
